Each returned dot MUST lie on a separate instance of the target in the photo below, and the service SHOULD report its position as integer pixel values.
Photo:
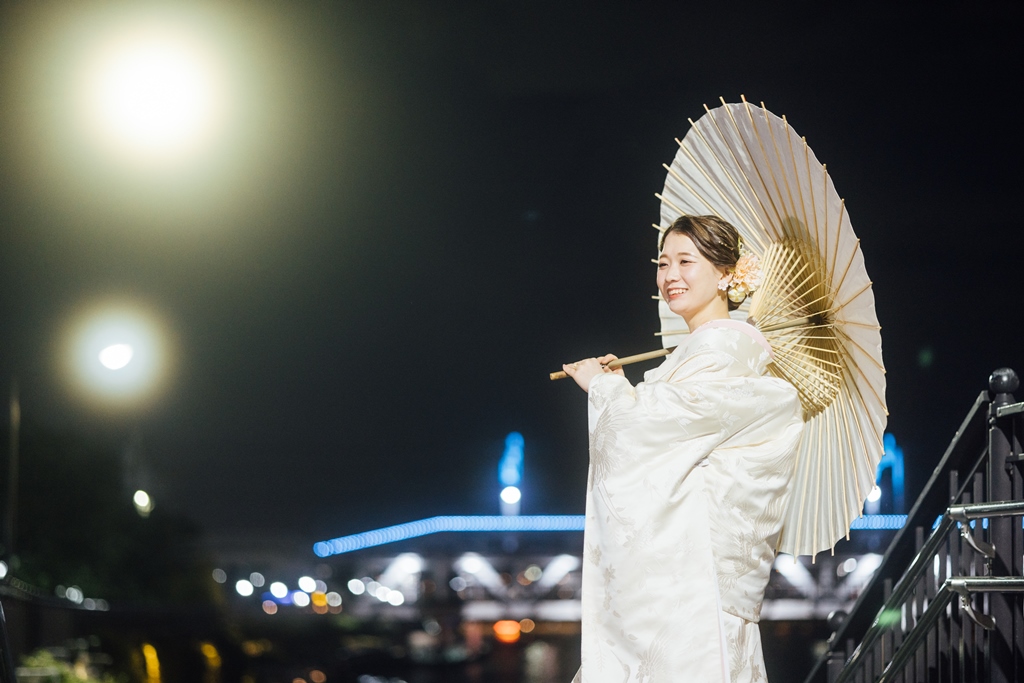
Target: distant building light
(257, 579)
(307, 584)
(511, 495)
(434, 525)
(879, 522)
(876, 493)
(510, 467)
(300, 599)
(356, 587)
(243, 587)
(220, 576)
(278, 589)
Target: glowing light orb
(875, 494)
(278, 590)
(511, 495)
(243, 587)
(154, 91)
(116, 356)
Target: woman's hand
(585, 370)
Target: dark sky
(431, 205)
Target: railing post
(1004, 665)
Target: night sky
(419, 209)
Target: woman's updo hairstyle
(716, 240)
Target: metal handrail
(960, 585)
(922, 562)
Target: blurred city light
(243, 587)
(333, 599)
(511, 495)
(257, 579)
(152, 91)
(100, 339)
(3, 569)
(152, 663)
(278, 589)
(300, 599)
(143, 503)
(270, 607)
(356, 587)
(116, 356)
(220, 576)
(396, 598)
(875, 494)
(507, 631)
(307, 584)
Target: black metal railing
(945, 604)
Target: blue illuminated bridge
(516, 523)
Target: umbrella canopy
(814, 304)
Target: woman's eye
(662, 265)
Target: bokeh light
(278, 589)
(243, 588)
(300, 599)
(356, 587)
(107, 326)
(527, 625)
(307, 584)
(270, 607)
(511, 495)
(507, 631)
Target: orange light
(527, 625)
(507, 631)
(319, 599)
(317, 676)
(270, 607)
(320, 609)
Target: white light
(244, 587)
(371, 587)
(74, 594)
(471, 564)
(143, 503)
(382, 593)
(511, 495)
(300, 599)
(396, 598)
(116, 356)
(307, 584)
(257, 579)
(356, 587)
(457, 584)
(3, 569)
(278, 589)
(154, 91)
(220, 576)
(410, 563)
(333, 599)
(321, 587)
(875, 494)
(849, 565)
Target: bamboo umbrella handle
(628, 360)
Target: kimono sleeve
(680, 413)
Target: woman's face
(686, 279)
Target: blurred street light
(143, 503)
(153, 91)
(117, 352)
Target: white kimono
(689, 476)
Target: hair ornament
(744, 279)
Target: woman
(689, 472)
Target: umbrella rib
(835, 248)
(764, 186)
(847, 338)
(826, 231)
(810, 192)
(849, 264)
(796, 173)
(865, 449)
(732, 181)
(841, 410)
(851, 299)
(685, 184)
(716, 185)
(778, 158)
(764, 157)
(766, 229)
(666, 201)
(856, 366)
